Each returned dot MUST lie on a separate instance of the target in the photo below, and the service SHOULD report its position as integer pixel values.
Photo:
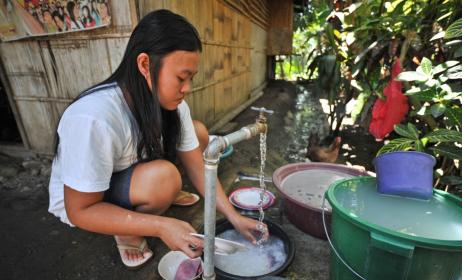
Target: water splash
(256, 261)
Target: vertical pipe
(209, 219)
(211, 159)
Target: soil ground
(35, 245)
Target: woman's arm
(194, 166)
(88, 211)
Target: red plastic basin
(302, 187)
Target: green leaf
(442, 79)
(437, 109)
(458, 52)
(444, 16)
(353, 7)
(425, 95)
(454, 30)
(455, 116)
(419, 146)
(444, 135)
(414, 131)
(446, 89)
(358, 107)
(443, 66)
(431, 82)
(453, 43)
(364, 52)
(438, 35)
(452, 96)
(423, 111)
(421, 71)
(451, 180)
(357, 69)
(356, 85)
(426, 65)
(455, 76)
(413, 90)
(452, 152)
(408, 131)
(410, 76)
(398, 144)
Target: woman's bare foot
(133, 250)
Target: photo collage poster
(29, 18)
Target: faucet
(212, 158)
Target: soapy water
(257, 260)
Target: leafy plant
(439, 111)
(365, 38)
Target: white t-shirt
(96, 139)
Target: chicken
(323, 151)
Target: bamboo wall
(233, 61)
(280, 32)
(43, 75)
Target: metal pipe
(251, 178)
(211, 159)
(209, 219)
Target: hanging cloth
(390, 110)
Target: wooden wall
(280, 32)
(46, 73)
(233, 61)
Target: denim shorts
(119, 188)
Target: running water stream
(262, 186)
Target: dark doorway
(9, 133)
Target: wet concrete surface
(35, 245)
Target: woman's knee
(155, 183)
(202, 134)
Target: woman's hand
(251, 229)
(176, 235)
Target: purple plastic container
(406, 173)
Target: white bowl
(168, 264)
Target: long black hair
(70, 10)
(157, 34)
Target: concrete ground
(35, 245)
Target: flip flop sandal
(134, 264)
(186, 199)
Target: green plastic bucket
(376, 236)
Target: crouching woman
(114, 170)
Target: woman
(59, 21)
(73, 19)
(114, 172)
(104, 13)
(87, 19)
(94, 12)
(48, 22)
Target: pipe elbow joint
(213, 150)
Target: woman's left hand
(251, 229)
